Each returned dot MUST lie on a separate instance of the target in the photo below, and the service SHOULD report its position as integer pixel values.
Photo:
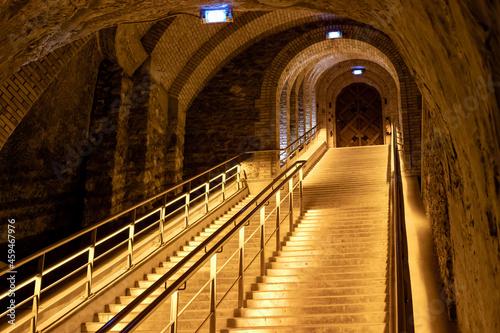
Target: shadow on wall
(44, 207)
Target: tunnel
(106, 104)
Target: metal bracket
(184, 287)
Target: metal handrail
(210, 254)
(403, 285)
(297, 144)
(221, 179)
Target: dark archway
(359, 116)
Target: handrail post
(278, 207)
(238, 172)
(162, 220)
(37, 293)
(131, 234)
(186, 208)
(301, 190)
(263, 241)
(207, 191)
(224, 186)
(241, 267)
(90, 264)
(290, 193)
(174, 310)
(213, 293)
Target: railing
(403, 285)
(298, 144)
(213, 245)
(118, 242)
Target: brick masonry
(20, 91)
(42, 163)
(313, 43)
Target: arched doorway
(359, 116)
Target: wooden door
(359, 116)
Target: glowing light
(357, 71)
(334, 34)
(216, 15)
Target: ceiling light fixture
(334, 34)
(217, 15)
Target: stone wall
(436, 202)
(41, 169)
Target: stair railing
(287, 182)
(114, 242)
(298, 144)
(404, 302)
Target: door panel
(359, 116)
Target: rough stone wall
(130, 164)
(41, 164)
(436, 203)
(20, 91)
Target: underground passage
(249, 166)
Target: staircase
(332, 273)
(194, 315)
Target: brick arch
(319, 57)
(338, 77)
(326, 54)
(408, 89)
(229, 42)
(329, 84)
(319, 71)
(293, 58)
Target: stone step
(321, 235)
(321, 328)
(277, 286)
(321, 270)
(324, 277)
(317, 292)
(339, 263)
(313, 309)
(337, 300)
(371, 317)
(331, 254)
